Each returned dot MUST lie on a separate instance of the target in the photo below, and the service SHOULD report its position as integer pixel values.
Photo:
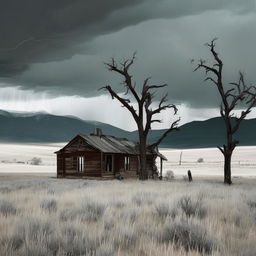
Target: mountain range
(45, 128)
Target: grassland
(46, 216)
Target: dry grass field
(42, 215)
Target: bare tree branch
(174, 127)
(125, 65)
(221, 150)
(125, 102)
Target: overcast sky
(52, 53)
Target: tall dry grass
(44, 216)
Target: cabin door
(109, 163)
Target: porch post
(64, 166)
(101, 163)
(161, 167)
(138, 165)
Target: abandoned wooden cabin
(98, 155)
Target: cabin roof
(112, 144)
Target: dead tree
(144, 113)
(232, 97)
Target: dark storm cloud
(60, 45)
(50, 30)
(36, 31)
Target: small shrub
(247, 252)
(126, 238)
(7, 208)
(119, 176)
(51, 191)
(185, 177)
(130, 215)
(49, 205)
(105, 250)
(137, 200)
(36, 230)
(39, 237)
(143, 198)
(12, 243)
(5, 190)
(71, 214)
(191, 207)
(53, 244)
(188, 234)
(169, 175)
(80, 246)
(237, 220)
(70, 233)
(16, 242)
(108, 221)
(76, 242)
(94, 210)
(164, 210)
(90, 211)
(251, 204)
(200, 160)
(118, 204)
(36, 161)
(34, 250)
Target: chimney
(98, 132)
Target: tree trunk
(227, 168)
(228, 154)
(143, 166)
(143, 158)
(227, 158)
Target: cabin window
(109, 163)
(80, 164)
(126, 163)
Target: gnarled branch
(174, 127)
(124, 101)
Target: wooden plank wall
(78, 145)
(118, 162)
(92, 166)
(134, 164)
(67, 160)
(133, 170)
(60, 165)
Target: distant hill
(43, 127)
(209, 133)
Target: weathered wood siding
(133, 167)
(60, 165)
(78, 145)
(92, 166)
(67, 160)
(118, 163)
(119, 168)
